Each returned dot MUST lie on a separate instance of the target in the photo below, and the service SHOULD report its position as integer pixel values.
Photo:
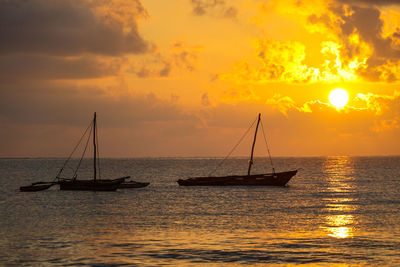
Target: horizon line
(201, 157)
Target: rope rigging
(93, 128)
(241, 139)
(73, 151)
(83, 153)
(98, 153)
(266, 143)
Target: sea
(337, 211)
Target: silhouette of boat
(38, 186)
(95, 184)
(91, 185)
(133, 184)
(266, 179)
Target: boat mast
(94, 147)
(254, 143)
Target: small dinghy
(133, 184)
(39, 186)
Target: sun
(339, 98)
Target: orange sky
(187, 77)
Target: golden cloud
(381, 111)
(282, 103)
(285, 61)
(367, 35)
(379, 104)
(360, 42)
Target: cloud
(285, 61)
(147, 125)
(71, 39)
(313, 127)
(366, 22)
(359, 29)
(374, 112)
(69, 27)
(384, 106)
(21, 67)
(216, 8)
(283, 104)
(279, 61)
(48, 121)
(43, 39)
(359, 41)
(179, 57)
(185, 57)
(40, 103)
(205, 101)
(373, 2)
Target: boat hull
(269, 179)
(91, 185)
(35, 187)
(133, 184)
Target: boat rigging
(265, 179)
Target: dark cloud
(217, 8)
(204, 100)
(184, 57)
(49, 104)
(24, 67)
(143, 72)
(165, 71)
(67, 27)
(47, 120)
(369, 2)
(159, 65)
(366, 22)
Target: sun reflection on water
(340, 226)
(339, 223)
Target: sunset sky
(188, 77)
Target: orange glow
(179, 77)
(338, 226)
(339, 171)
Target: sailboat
(265, 179)
(95, 184)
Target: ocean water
(335, 211)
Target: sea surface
(336, 211)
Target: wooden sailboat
(94, 184)
(265, 179)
